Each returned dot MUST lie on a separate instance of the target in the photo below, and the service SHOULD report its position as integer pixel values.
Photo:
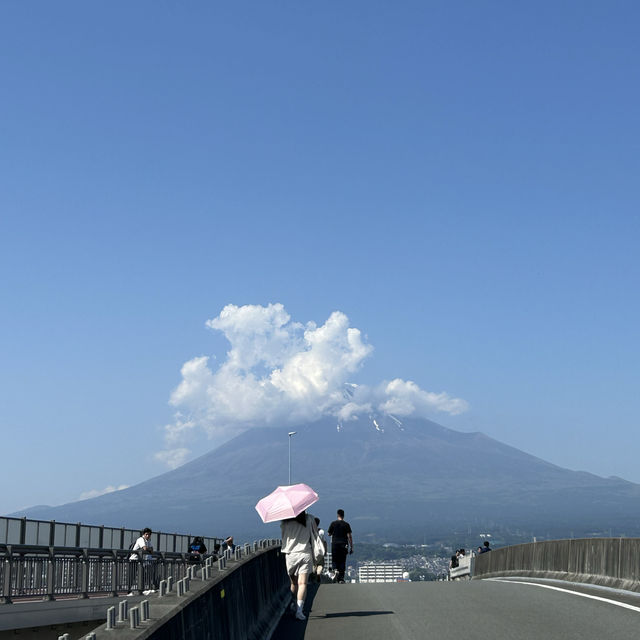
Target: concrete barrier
(612, 562)
(463, 570)
(243, 601)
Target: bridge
(586, 589)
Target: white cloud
(94, 493)
(173, 458)
(278, 371)
(405, 398)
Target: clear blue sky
(460, 179)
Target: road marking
(575, 593)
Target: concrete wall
(613, 562)
(242, 602)
(244, 605)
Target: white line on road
(575, 593)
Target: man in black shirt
(341, 542)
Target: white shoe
(130, 594)
(147, 592)
(300, 615)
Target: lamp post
(291, 433)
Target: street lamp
(291, 433)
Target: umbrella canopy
(286, 502)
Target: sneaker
(146, 592)
(130, 594)
(340, 581)
(300, 615)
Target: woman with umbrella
(297, 536)
(300, 539)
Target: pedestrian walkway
(483, 610)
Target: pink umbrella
(286, 502)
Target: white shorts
(298, 562)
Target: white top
(141, 543)
(296, 538)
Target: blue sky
(459, 180)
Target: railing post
(23, 530)
(117, 572)
(8, 575)
(50, 575)
(85, 574)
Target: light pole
(291, 433)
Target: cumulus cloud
(94, 493)
(278, 371)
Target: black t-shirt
(338, 531)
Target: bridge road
(478, 610)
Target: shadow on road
(291, 629)
(349, 614)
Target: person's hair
(462, 551)
(301, 518)
(317, 521)
(341, 513)
(486, 543)
(146, 530)
(216, 546)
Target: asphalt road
(477, 610)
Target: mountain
(405, 480)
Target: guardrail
(241, 597)
(613, 562)
(24, 531)
(30, 572)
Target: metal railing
(24, 531)
(30, 572)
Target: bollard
(205, 572)
(134, 618)
(65, 636)
(123, 610)
(111, 618)
(91, 636)
(169, 584)
(163, 588)
(180, 587)
(144, 611)
(222, 563)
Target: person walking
(341, 544)
(297, 536)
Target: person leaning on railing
(142, 548)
